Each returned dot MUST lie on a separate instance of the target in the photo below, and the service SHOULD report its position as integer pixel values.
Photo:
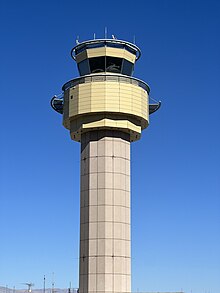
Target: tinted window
(83, 67)
(129, 49)
(97, 64)
(113, 64)
(127, 67)
(80, 49)
(115, 45)
(95, 45)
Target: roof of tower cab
(96, 43)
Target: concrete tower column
(105, 254)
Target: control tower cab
(105, 96)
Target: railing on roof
(105, 77)
(108, 43)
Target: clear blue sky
(175, 166)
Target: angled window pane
(95, 45)
(80, 49)
(113, 64)
(83, 67)
(97, 64)
(129, 49)
(115, 45)
(127, 68)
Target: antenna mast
(44, 284)
(53, 283)
(106, 33)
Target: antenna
(69, 288)
(106, 33)
(44, 284)
(53, 283)
(134, 39)
(77, 40)
(94, 36)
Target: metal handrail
(134, 47)
(106, 77)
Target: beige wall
(106, 51)
(105, 253)
(127, 102)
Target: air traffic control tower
(105, 109)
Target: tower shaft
(105, 258)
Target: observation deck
(105, 96)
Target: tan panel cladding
(66, 102)
(73, 101)
(115, 52)
(81, 56)
(106, 105)
(106, 51)
(108, 97)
